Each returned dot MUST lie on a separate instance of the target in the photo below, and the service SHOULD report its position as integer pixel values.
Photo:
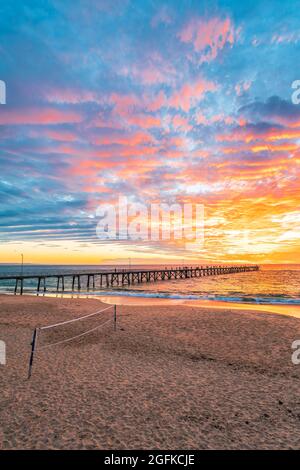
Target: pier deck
(122, 277)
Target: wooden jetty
(122, 277)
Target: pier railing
(121, 277)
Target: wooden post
(38, 286)
(33, 344)
(115, 318)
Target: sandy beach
(170, 377)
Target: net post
(33, 345)
(115, 318)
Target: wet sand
(171, 376)
(289, 310)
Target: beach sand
(169, 377)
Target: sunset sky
(159, 101)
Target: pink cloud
(130, 109)
(151, 75)
(123, 104)
(145, 121)
(190, 94)
(243, 86)
(131, 139)
(157, 102)
(180, 122)
(60, 135)
(154, 69)
(72, 96)
(38, 116)
(105, 122)
(208, 37)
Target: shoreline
(286, 310)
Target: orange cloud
(248, 135)
(261, 147)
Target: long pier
(122, 277)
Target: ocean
(272, 284)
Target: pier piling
(123, 277)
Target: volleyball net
(49, 336)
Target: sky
(157, 101)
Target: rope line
(74, 319)
(73, 337)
